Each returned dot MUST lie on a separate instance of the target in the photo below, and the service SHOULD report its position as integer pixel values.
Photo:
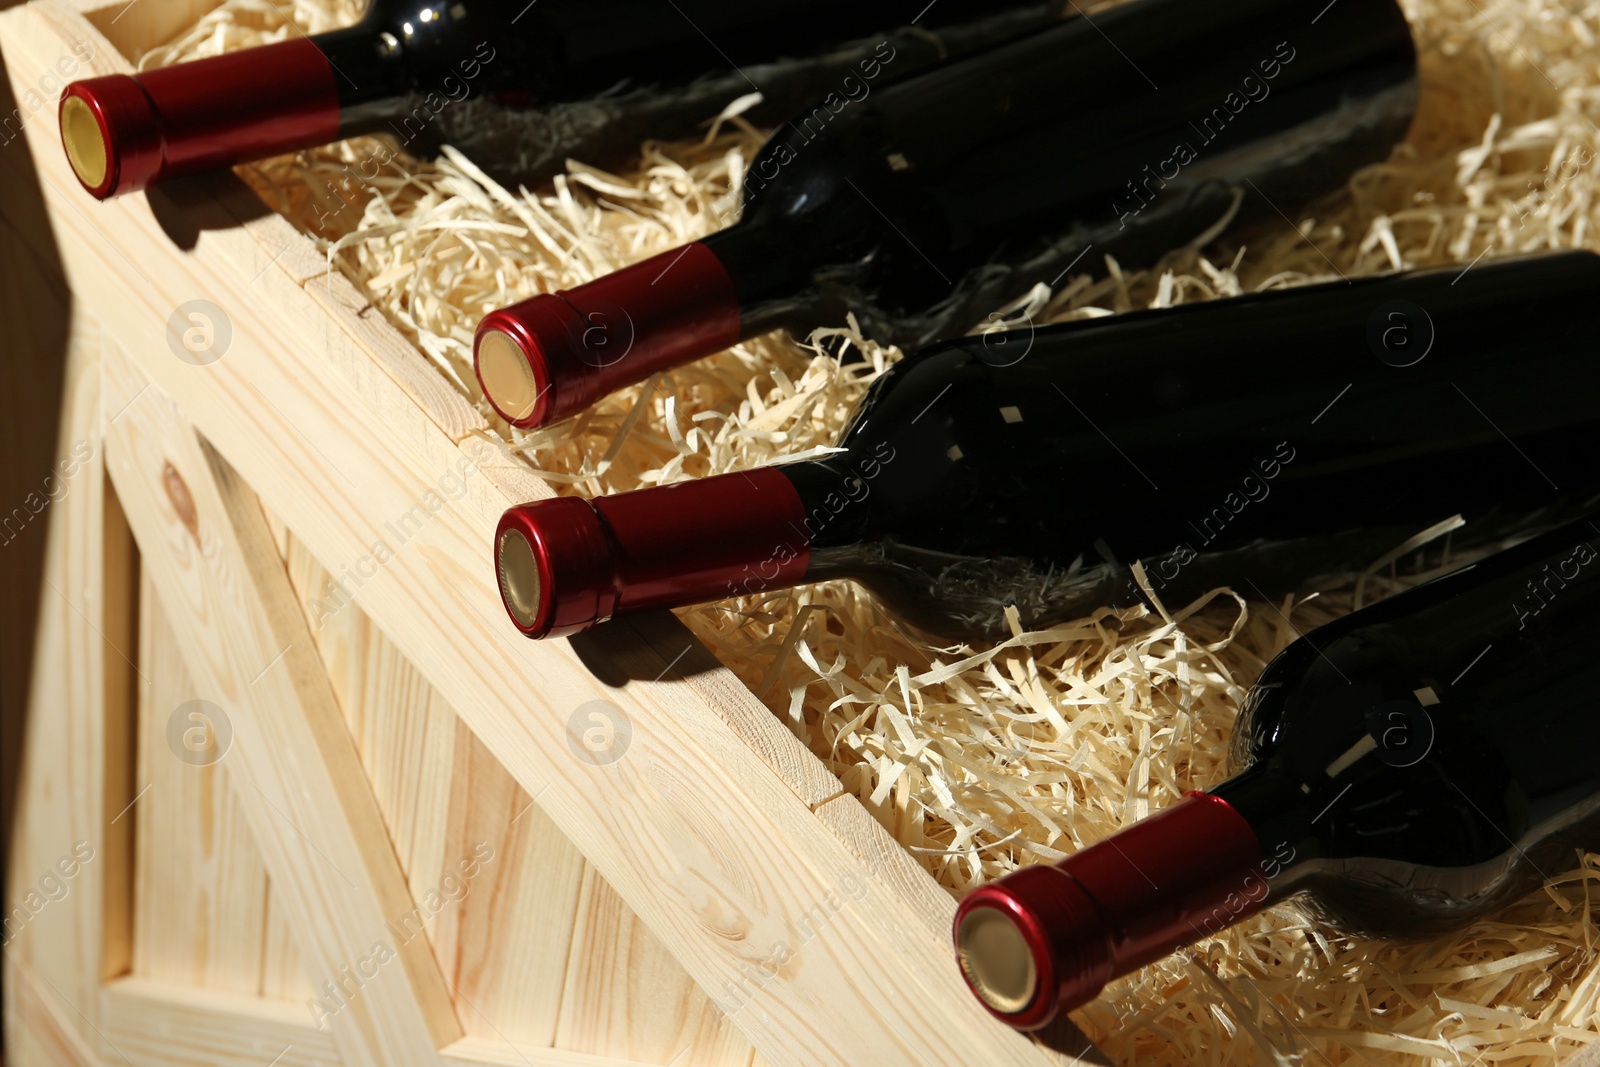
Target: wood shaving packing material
(980, 760)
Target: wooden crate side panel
(295, 767)
(283, 971)
(494, 885)
(203, 904)
(156, 1024)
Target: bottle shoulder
(1429, 754)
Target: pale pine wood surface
(41, 1036)
(165, 1024)
(297, 773)
(520, 946)
(506, 945)
(76, 702)
(200, 889)
(283, 971)
(623, 984)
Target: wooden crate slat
(166, 1024)
(283, 969)
(486, 1052)
(626, 996)
(509, 938)
(927, 902)
(159, 1024)
(200, 888)
(342, 304)
(292, 758)
(38, 1033)
(66, 920)
(403, 733)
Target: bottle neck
(371, 75)
(552, 356)
(568, 564)
(1047, 939)
(770, 269)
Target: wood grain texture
(157, 1024)
(403, 732)
(54, 925)
(200, 889)
(503, 935)
(505, 942)
(296, 769)
(330, 733)
(486, 1052)
(165, 1024)
(626, 996)
(365, 327)
(283, 969)
(38, 1034)
(705, 824)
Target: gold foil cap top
(519, 577)
(997, 961)
(84, 141)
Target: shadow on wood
(36, 306)
(182, 207)
(649, 647)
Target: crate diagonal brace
(296, 770)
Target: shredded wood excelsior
(980, 760)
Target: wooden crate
(703, 892)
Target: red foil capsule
(1044, 940)
(123, 132)
(567, 564)
(550, 357)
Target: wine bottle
(1269, 438)
(1405, 769)
(928, 205)
(526, 84)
